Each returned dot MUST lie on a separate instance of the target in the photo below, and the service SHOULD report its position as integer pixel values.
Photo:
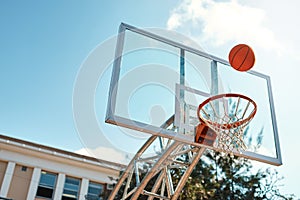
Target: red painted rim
(231, 125)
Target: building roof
(60, 153)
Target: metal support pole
(187, 173)
(130, 165)
(154, 170)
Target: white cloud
(222, 22)
(104, 153)
(174, 21)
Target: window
(46, 185)
(94, 191)
(24, 169)
(71, 189)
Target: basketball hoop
(227, 115)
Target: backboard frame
(113, 118)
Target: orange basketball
(241, 57)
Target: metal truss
(143, 170)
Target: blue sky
(44, 43)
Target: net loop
(228, 115)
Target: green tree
(219, 176)
(225, 177)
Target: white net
(228, 115)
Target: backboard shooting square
(158, 80)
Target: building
(30, 171)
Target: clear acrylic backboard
(157, 80)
